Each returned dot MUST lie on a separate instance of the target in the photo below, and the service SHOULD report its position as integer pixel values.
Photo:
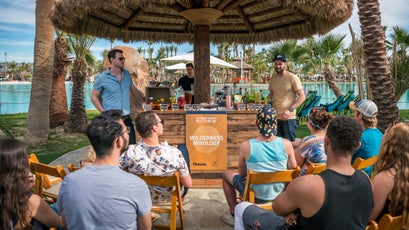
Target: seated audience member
(365, 112)
(20, 208)
(338, 198)
(311, 148)
(391, 182)
(264, 153)
(149, 157)
(102, 196)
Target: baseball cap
(367, 107)
(267, 121)
(280, 57)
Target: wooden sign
(206, 140)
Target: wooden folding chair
(42, 170)
(315, 168)
(72, 167)
(360, 163)
(266, 178)
(174, 206)
(387, 222)
(48, 181)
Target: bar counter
(240, 127)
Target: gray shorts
(256, 218)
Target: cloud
(17, 43)
(14, 29)
(18, 12)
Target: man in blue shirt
(112, 90)
(365, 112)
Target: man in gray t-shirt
(102, 196)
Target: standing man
(365, 112)
(286, 95)
(112, 90)
(149, 157)
(338, 198)
(264, 153)
(187, 82)
(102, 196)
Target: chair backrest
(315, 168)
(72, 167)
(176, 205)
(360, 163)
(372, 225)
(266, 178)
(47, 181)
(43, 170)
(389, 222)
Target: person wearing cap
(365, 112)
(264, 153)
(340, 197)
(286, 95)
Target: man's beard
(279, 70)
(125, 146)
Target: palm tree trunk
(78, 119)
(376, 61)
(58, 101)
(38, 117)
(330, 79)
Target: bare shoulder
(306, 184)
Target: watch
(291, 109)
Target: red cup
(181, 102)
(188, 97)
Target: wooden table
(240, 127)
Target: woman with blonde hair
(391, 183)
(19, 206)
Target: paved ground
(202, 206)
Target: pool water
(15, 96)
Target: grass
(60, 142)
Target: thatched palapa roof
(200, 22)
(241, 21)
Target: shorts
(260, 219)
(239, 183)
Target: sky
(17, 29)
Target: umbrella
(201, 22)
(190, 58)
(178, 66)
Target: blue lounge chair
(329, 107)
(308, 100)
(345, 102)
(313, 103)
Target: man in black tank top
(338, 198)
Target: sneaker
(227, 218)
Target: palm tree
(325, 52)
(25, 71)
(400, 61)
(38, 117)
(12, 69)
(58, 101)
(80, 47)
(377, 65)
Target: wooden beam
(231, 6)
(222, 4)
(138, 12)
(245, 19)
